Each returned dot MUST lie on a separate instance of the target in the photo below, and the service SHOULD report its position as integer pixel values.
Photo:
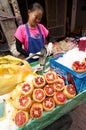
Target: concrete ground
(79, 118)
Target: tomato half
(48, 104)
(26, 88)
(36, 111)
(21, 118)
(59, 98)
(39, 81)
(38, 95)
(59, 84)
(50, 77)
(23, 102)
(49, 90)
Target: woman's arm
(49, 38)
(20, 49)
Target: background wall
(81, 14)
(24, 8)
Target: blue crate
(70, 76)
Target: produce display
(64, 45)
(79, 67)
(74, 58)
(31, 95)
(42, 93)
(71, 67)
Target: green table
(58, 111)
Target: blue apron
(35, 43)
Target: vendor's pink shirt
(22, 36)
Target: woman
(32, 35)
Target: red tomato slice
(21, 118)
(26, 87)
(48, 104)
(39, 81)
(36, 111)
(60, 96)
(23, 102)
(49, 90)
(79, 67)
(38, 95)
(50, 77)
(71, 90)
(59, 84)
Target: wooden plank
(16, 10)
(56, 17)
(8, 25)
(73, 17)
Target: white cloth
(49, 48)
(34, 57)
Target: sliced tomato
(59, 84)
(60, 98)
(38, 95)
(76, 63)
(48, 104)
(39, 81)
(79, 67)
(49, 90)
(71, 90)
(36, 111)
(26, 88)
(21, 118)
(50, 77)
(23, 102)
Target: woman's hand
(49, 49)
(35, 55)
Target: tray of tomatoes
(42, 100)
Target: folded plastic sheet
(12, 71)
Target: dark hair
(35, 6)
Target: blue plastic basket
(79, 79)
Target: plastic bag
(12, 71)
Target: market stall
(8, 100)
